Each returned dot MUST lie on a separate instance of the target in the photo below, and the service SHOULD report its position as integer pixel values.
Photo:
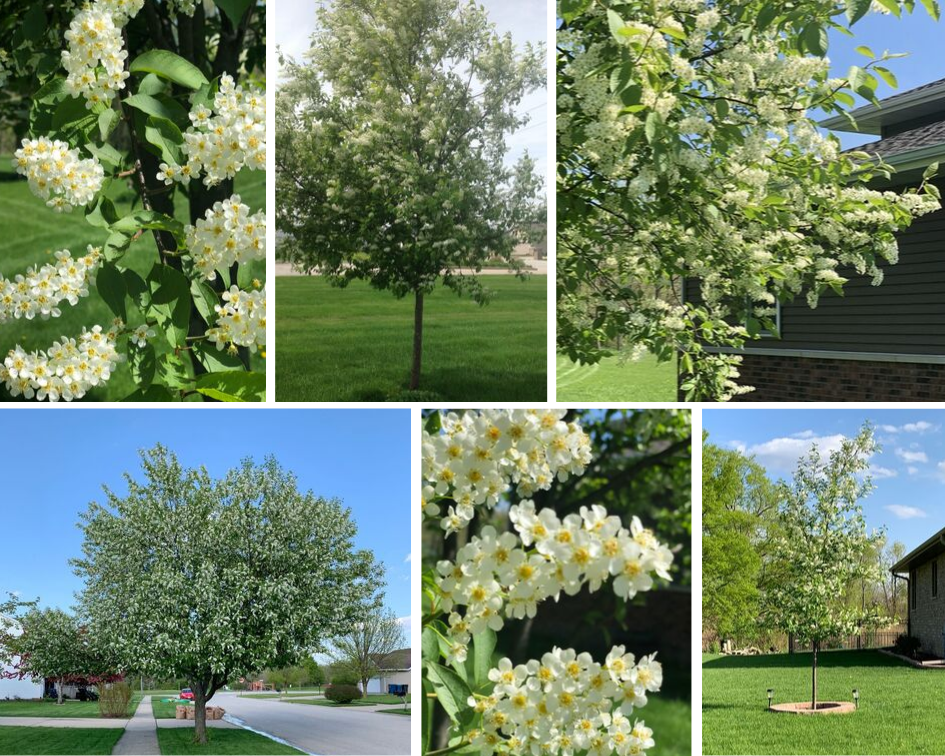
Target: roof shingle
(925, 136)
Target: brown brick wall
(928, 617)
(804, 379)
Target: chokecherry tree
(216, 579)
(391, 148)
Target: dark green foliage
(342, 693)
(907, 645)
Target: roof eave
(903, 563)
(909, 160)
(868, 117)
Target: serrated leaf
(815, 39)
(856, 9)
(111, 288)
(170, 302)
(888, 76)
(451, 691)
(233, 386)
(484, 647)
(165, 135)
(159, 106)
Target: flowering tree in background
(564, 702)
(390, 150)
(212, 580)
(145, 94)
(49, 646)
(686, 149)
(822, 547)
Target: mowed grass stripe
(58, 740)
(354, 344)
(180, 740)
(900, 706)
(611, 380)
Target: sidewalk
(141, 733)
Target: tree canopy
(391, 147)
(688, 149)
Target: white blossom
(57, 174)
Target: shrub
(342, 693)
(907, 645)
(113, 699)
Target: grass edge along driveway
(179, 740)
(895, 716)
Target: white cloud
(405, 622)
(912, 470)
(804, 434)
(878, 473)
(889, 428)
(918, 427)
(407, 559)
(912, 456)
(783, 453)
(905, 513)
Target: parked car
(86, 694)
(187, 694)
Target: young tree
(314, 673)
(687, 149)
(50, 646)
(821, 546)
(211, 579)
(364, 647)
(390, 151)
(162, 99)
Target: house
(13, 687)
(924, 568)
(394, 670)
(876, 343)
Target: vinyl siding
(904, 315)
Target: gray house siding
(928, 615)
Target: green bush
(113, 699)
(342, 693)
(907, 645)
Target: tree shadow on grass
(804, 659)
(476, 383)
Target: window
(912, 588)
(935, 578)
(762, 332)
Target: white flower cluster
(227, 234)
(95, 58)
(481, 454)
(67, 370)
(567, 703)
(241, 320)
(509, 574)
(42, 290)
(57, 174)
(140, 335)
(224, 139)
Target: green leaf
(217, 360)
(102, 213)
(484, 646)
(234, 9)
(933, 8)
(765, 16)
(892, 6)
(434, 423)
(73, 122)
(106, 153)
(152, 85)
(571, 9)
(815, 39)
(169, 66)
(152, 394)
(115, 247)
(856, 9)
(429, 645)
(253, 270)
(888, 76)
(651, 126)
(107, 121)
(233, 386)
(149, 220)
(111, 288)
(205, 299)
(142, 363)
(170, 302)
(159, 106)
(451, 692)
(34, 22)
(173, 371)
(165, 135)
(866, 51)
(930, 171)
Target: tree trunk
(200, 713)
(60, 691)
(813, 694)
(417, 339)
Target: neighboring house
(15, 688)
(925, 568)
(394, 670)
(876, 343)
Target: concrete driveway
(323, 730)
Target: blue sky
(917, 35)
(54, 463)
(908, 472)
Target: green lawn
(394, 711)
(671, 721)
(32, 232)
(610, 380)
(900, 706)
(179, 740)
(51, 740)
(355, 344)
(49, 708)
(164, 710)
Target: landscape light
(856, 698)
(770, 696)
